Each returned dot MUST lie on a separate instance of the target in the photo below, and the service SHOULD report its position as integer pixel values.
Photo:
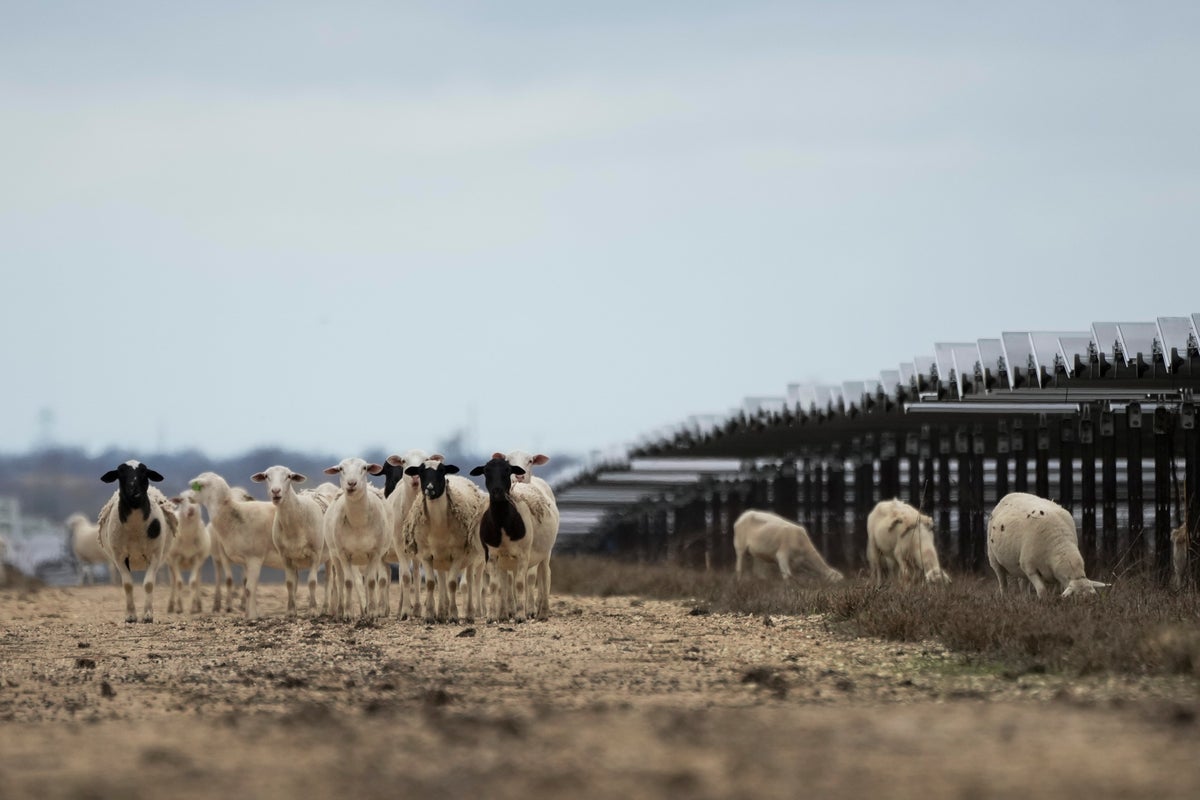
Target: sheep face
(1082, 586)
(399, 464)
(278, 479)
(432, 476)
(133, 481)
(354, 473)
(519, 458)
(498, 476)
(186, 505)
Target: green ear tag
(195, 486)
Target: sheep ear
(436, 457)
(515, 470)
(477, 471)
(395, 461)
(928, 520)
(450, 469)
(540, 459)
(413, 470)
(152, 475)
(258, 477)
(332, 470)
(1097, 584)
(109, 476)
(296, 477)
(374, 469)
(177, 500)
(497, 455)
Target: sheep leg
(252, 568)
(127, 585)
(1039, 585)
(543, 579)
(521, 590)
(493, 594)
(785, 569)
(148, 592)
(174, 600)
(374, 567)
(291, 577)
(194, 590)
(218, 579)
(737, 567)
(430, 587)
(312, 587)
(385, 589)
(404, 608)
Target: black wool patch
(154, 529)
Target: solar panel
(1047, 350)
(965, 356)
(1108, 339)
(908, 375)
(1173, 332)
(991, 356)
(890, 380)
(853, 392)
(1019, 358)
(768, 405)
(809, 401)
(1073, 345)
(1137, 337)
(925, 369)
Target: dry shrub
(1133, 627)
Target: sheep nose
(351, 484)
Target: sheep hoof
(148, 617)
(131, 617)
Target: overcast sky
(340, 226)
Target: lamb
(443, 529)
(85, 545)
(401, 503)
(770, 537)
(518, 530)
(243, 530)
(357, 531)
(136, 527)
(1033, 538)
(900, 538)
(188, 551)
(298, 532)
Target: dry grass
(1134, 627)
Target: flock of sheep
(1029, 539)
(427, 520)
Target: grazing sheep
(770, 537)
(85, 546)
(136, 527)
(443, 529)
(1179, 557)
(188, 551)
(297, 532)
(518, 530)
(243, 529)
(900, 539)
(402, 502)
(357, 531)
(1033, 538)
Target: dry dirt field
(613, 697)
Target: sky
(560, 226)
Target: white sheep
(357, 530)
(297, 532)
(136, 527)
(443, 529)
(769, 537)
(323, 494)
(223, 565)
(189, 549)
(900, 539)
(404, 490)
(243, 529)
(1033, 538)
(85, 546)
(519, 458)
(518, 530)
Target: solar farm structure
(1103, 421)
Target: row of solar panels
(981, 368)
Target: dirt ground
(612, 698)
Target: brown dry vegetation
(647, 682)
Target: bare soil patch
(613, 697)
